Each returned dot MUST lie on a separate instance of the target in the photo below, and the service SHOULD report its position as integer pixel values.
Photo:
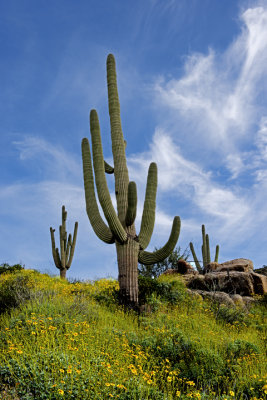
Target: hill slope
(63, 340)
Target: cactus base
(63, 273)
(127, 255)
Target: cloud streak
(218, 100)
(219, 93)
(185, 178)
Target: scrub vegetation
(62, 340)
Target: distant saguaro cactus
(205, 251)
(121, 229)
(64, 259)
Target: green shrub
(171, 291)
(263, 299)
(137, 394)
(240, 348)
(108, 297)
(229, 315)
(4, 268)
(14, 292)
(194, 362)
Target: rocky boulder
(238, 265)
(259, 283)
(196, 282)
(234, 282)
(218, 297)
(248, 301)
(237, 299)
(231, 281)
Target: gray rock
(248, 300)
(194, 294)
(234, 282)
(238, 262)
(218, 297)
(197, 282)
(237, 299)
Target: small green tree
(171, 262)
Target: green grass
(72, 341)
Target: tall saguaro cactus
(120, 228)
(64, 259)
(205, 251)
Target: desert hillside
(62, 340)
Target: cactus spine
(64, 259)
(120, 228)
(205, 252)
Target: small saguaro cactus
(205, 252)
(121, 228)
(64, 259)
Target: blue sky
(192, 82)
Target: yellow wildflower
(120, 386)
(52, 328)
(190, 383)
(61, 392)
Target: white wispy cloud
(54, 160)
(219, 100)
(218, 94)
(185, 178)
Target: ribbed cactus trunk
(121, 228)
(63, 273)
(127, 255)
